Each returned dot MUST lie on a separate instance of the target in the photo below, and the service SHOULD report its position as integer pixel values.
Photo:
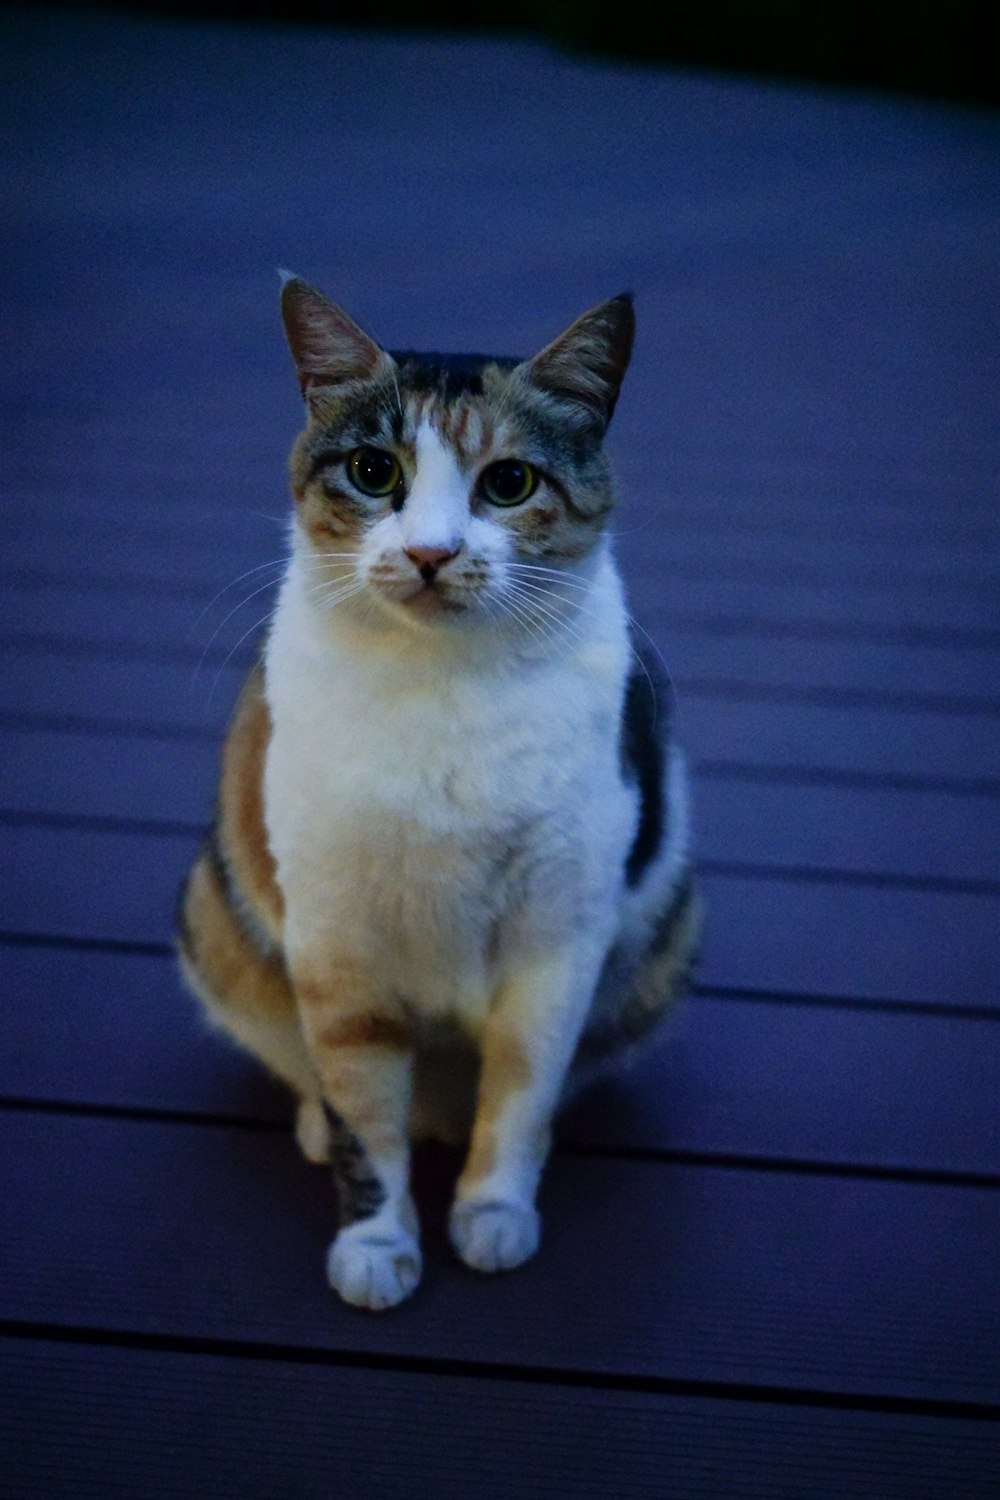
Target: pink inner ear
(328, 347)
(588, 361)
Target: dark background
(916, 46)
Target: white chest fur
(433, 798)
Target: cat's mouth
(433, 598)
(425, 598)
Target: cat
(449, 875)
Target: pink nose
(427, 560)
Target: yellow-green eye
(508, 482)
(373, 471)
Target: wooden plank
(839, 940)
(52, 690)
(851, 606)
(246, 1425)
(871, 667)
(108, 776)
(154, 538)
(58, 689)
(873, 741)
(821, 508)
(875, 831)
(772, 934)
(879, 831)
(53, 618)
(182, 558)
(806, 1083)
(878, 1286)
(81, 617)
(750, 1079)
(829, 1284)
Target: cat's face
(451, 488)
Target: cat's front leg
(363, 1055)
(527, 1043)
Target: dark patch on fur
(365, 414)
(239, 907)
(360, 1194)
(644, 725)
(326, 458)
(676, 913)
(552, 427)
(447, 375)
(633, 1023)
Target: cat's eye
(373, 471)
(508, 482)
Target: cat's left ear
(587, 363)
(328, 347)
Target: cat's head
(451, 488)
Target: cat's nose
(427, 560)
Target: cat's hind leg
(246, 992)
(635, 997)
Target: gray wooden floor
(770, 1258)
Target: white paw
(373, 1269)
(312, 1131)
(492, 1236)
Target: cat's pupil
(508, 482)
(374, 471)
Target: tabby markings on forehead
(447, 375)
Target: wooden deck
(769, 1265)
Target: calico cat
(449, 872)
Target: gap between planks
(668, 1156)
(741, 869)
(924, 1406)
(142, 949)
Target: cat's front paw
(372, 1268)
(494, 1236)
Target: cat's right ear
(327, 346)
(585, 365)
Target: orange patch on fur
(242, 832)
(506, 1070)
(221, 963)
(365, 1031)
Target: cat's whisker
(523, 620)
(537, 587)
(550, 575)
(278, 562)
(271, 582)
(576, 605)
(668, 675)
(328, 559)
(527, 567)
(232, 652)
(228, 616)
(395, 382)
(347, 592)
(531, 592)
(631, 530)
(263, 515)
(330, 577)
(554, 625)
(579, 609)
